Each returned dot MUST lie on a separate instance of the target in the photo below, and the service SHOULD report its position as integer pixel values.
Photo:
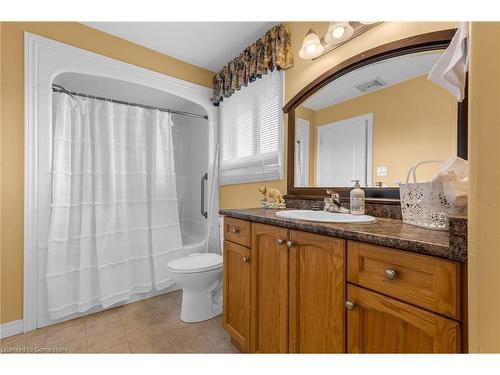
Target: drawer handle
(246, 259)
(290, 244)
(391, 274)
(280, 241)
(349, 305)
(235, 230)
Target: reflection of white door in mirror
(344, 152)
(301, 152)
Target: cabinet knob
(349, 305)
(235, 230)
(246, 259)
(280, 241)
(391, 274)
(290, 244)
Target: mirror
(373, 123)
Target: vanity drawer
(421, 280)
(237, 231)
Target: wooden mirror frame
(418, 43)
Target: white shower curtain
(115, 221)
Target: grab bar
(202, 208)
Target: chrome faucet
(332, 203)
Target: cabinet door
(379, 324)
(237, 293)
(269, 279)
(317, 293)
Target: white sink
(326, 217)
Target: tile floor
(149, 326)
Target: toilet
(200, 276)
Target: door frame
(44, 59)
(368, 118)
(299, 121)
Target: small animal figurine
(272, 197)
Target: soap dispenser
(357, 199)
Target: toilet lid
(198, 262)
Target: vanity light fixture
(339, 32)
(311, 46)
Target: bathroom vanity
(294, 286)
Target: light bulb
(311, 48)
(338, 32)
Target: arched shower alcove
(194, 138)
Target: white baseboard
(11, 328)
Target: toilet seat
(195, 263)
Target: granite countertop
(385, 232)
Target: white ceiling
(391, 71)
(209, 45)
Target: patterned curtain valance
(273, 50)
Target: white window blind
(252, 132)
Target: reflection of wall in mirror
(413, 120)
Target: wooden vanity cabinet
(298, 292)
(317, 293)
(424, 281)
(273, 303)
(288, 291)
(236, 316)
(380, 324)
(398, 302)
(269, 289)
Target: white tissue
(451, 68)
(452, 169)
(454, 175)
(456, 192)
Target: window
(252, 132)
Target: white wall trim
(283, 128)
(369, 149)
(44, 60)
(305, 161)
(11, 328)
(30, 183)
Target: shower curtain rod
(59, 88)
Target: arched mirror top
(371, 118)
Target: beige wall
(1, 267)
(413, 120)
(484, 201)
(12, 128)
(304, 71)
